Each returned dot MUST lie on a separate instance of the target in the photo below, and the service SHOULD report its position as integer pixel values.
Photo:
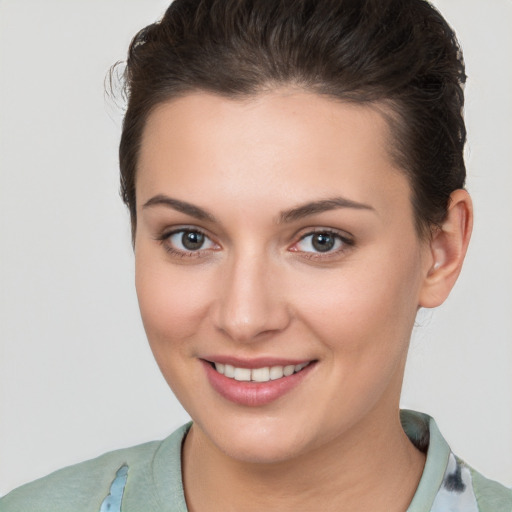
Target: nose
(251, 302)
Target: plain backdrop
(76, 375)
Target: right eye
(187, 242)
(320, 242)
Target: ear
(446, 251)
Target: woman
(294, 175)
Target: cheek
(364, 319)
(173, 301)
(366, 306)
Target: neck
(373, 466)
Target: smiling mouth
(264, 374)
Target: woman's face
(275, 232)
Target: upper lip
(258, 362)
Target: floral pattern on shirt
(456, 492)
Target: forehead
(293, 142)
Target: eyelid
(347, 241)
(342, 234)
(166, 234)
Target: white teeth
(276, 372)
(261, 374)
(243, 374)
(229, 371)
(264, 374)
(288, 370)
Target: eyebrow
(180, 206)
(285, 216)
(324, 205)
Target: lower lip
(254, 394)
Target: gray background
(76, 375)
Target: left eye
(323, 241)
(188, 240)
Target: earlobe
(447, 249)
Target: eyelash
(346, 244)
(164, 240)
(345, 241)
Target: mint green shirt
(147, 478)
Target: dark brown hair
(397, 54)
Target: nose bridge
(250, 302)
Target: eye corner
(331, 244)
(175, 243)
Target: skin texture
(258, 288)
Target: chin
(259, 441)
(260, 451)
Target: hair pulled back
(397, 54)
